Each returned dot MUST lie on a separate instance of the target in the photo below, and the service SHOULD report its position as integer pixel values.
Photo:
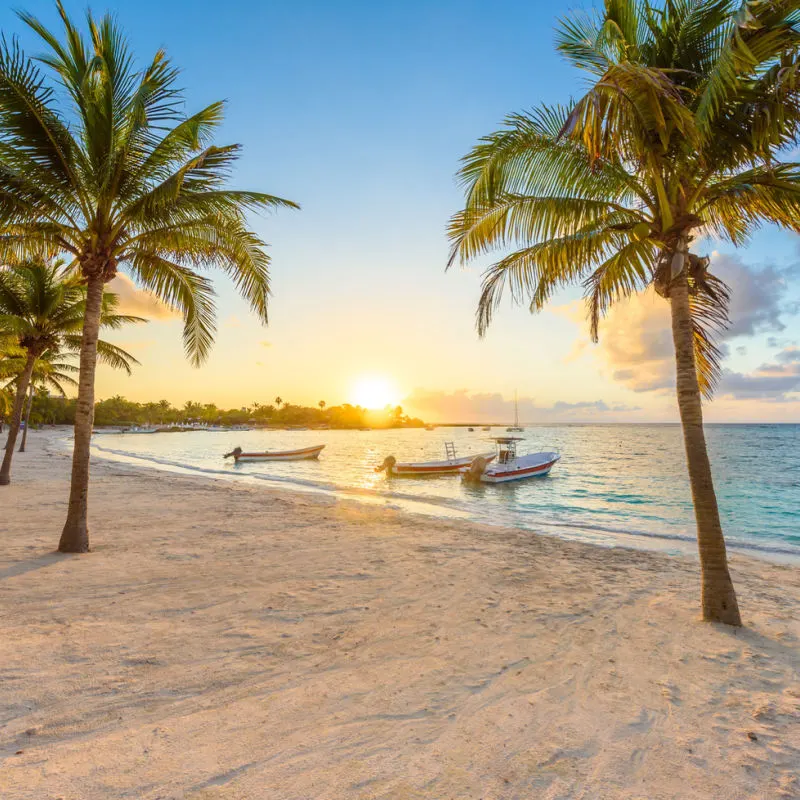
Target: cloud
(232, 322)
(463, 406)
(636, 340)
(138, 302)
(134, 345)
(636, 343)
(758, 296)
(597, 405)
(770, 381)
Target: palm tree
(278, 402)
(689, 107)
(49, 374)
(98, 161)
(42, 310)
(321, 405)
(7, 348)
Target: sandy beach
(228, 641)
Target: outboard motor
(236, 452)
(476, 469)
(387, 466)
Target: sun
(374, 391)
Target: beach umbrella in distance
(100, 161)
(689, 108)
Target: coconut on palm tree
(42, 309)
(689, 108)
(98, 161)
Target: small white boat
(137, 429)
(452, 465)
(277, 455)
(509, 466)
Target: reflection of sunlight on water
(615, 483)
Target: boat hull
(452, 467)
(537, 465)
(305, 454)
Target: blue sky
(360, 111)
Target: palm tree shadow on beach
(31, 564)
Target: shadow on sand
(31, 564)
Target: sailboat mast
(516, 410)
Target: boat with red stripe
(451, 465)
(509, 466)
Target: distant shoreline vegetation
(118, 411)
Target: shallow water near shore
(615, 485)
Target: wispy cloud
(776, 380)
(138, 302)
(463, 406)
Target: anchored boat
(277, 455)
(508, 466)
(452, 465)
(516, 425)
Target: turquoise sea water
(615, 485)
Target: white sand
(231, 642)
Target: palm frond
(184, 290)
(629, 270)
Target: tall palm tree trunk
(16, 419)
(75, 536)
(27, 421)
(718, 595)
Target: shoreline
(234, 642)
(598, 536)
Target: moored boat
(508, 466)
(452, 464)
(137, 429)
(516, 426)
(277, 455)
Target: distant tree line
(51, 410)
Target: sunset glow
(374, 392)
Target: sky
(360, 111)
